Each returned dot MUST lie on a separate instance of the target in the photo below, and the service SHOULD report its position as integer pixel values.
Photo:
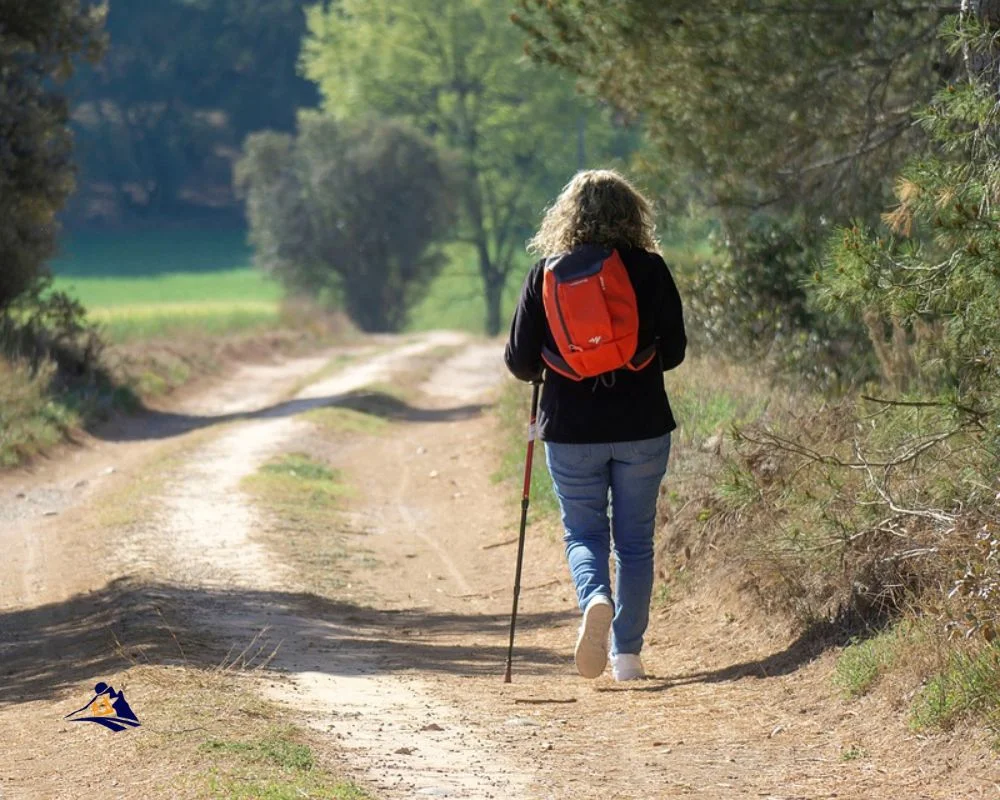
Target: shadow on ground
(809, 645)
(90, 637)
(158, 425)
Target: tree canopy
(769, 103)
(783, 118)
(927, 282)
(455, 69)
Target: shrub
(349, 214)
(752, 301)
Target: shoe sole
(592, 645)
(621, 674)
(638, 676)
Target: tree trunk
(988, 11)
(493, 283)
(491, 276)
(983, 66)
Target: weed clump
(968, 684)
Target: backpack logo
(596, 339)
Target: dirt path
(401, 667)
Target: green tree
(927, 284)
(767, 103)
(349, 212)
(161, 119)
(455, 69)
(783, 117)
(38, 41)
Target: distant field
(191, 283)
(151, 285)
(154, 285)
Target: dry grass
(31, 420)
(210, 734)
(303, 499)
(40, 409)
(709, 398)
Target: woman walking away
(600, 318)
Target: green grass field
(193, 283)
(157, 285)
(183, 303)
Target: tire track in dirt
(411, 522)
(204, 537)
(42, 547)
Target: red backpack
(591, 310)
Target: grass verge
(303, 499)
(40, 409)
(276, 765)
(967, 686)
(865, 661)
(346, 421)
(513, 411)
(301, 490)
(31, 419)
(240, 746)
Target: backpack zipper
(562, 321)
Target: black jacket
(635, 406)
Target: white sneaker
(627, 667)
(592, 643)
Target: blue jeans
(583, 475)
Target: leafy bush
(41, 326)
(37, 42)
(752, 301)
(30, 420)
(349, 214)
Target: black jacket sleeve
(670, 322)
(523, 354)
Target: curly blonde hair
(597, 207)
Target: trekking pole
(524, 520)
